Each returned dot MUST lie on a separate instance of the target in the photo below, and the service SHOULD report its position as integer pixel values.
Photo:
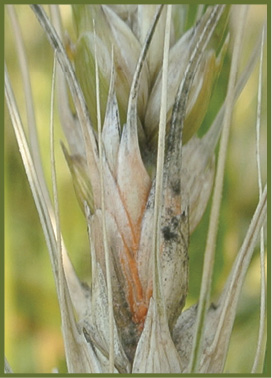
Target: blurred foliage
(33, 341)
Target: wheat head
(133, 89)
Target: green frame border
(267, 372)
(2, 193)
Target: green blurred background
(33, 340)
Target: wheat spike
(134, 85)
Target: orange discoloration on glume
(138, 300)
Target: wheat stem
(31, 119)
(41, 204)
(159, 169)
(105, 237)
(262, 256)
(213, 225)
(214, 132)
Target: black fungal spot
(168, 234)
(213, 306)
(175, 222)
(175, 186)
